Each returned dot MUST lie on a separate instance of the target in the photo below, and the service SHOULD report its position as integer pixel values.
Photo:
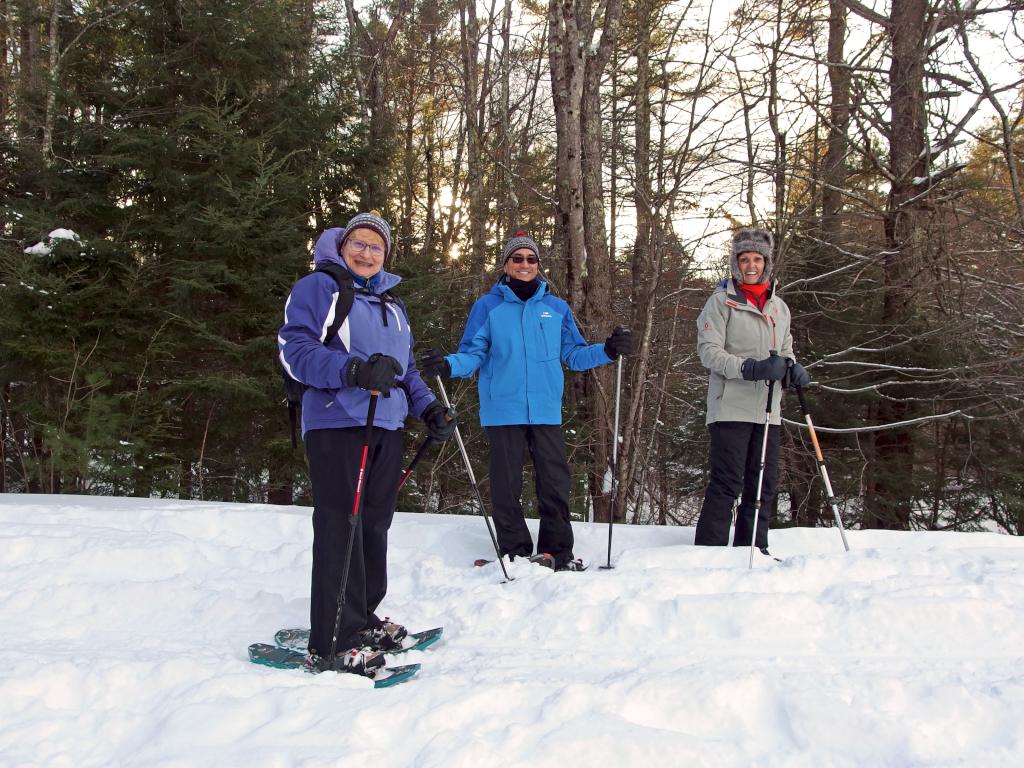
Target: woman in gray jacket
(740, 327)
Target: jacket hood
(730, 284)
(326, 249)
(326, 252)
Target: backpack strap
(389, 296)
(342, 307)
(346, 295)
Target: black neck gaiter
(524, 289)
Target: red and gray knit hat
(752, 240)
(514, 243)
(369, 220)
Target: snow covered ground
(125, 622)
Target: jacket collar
(502, 291)
(736, 298)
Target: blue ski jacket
(518, 347)
(372, 325)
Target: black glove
(377, 373)
(796, 375)
(619, 343)
(432, 363)
(772, 368)
(440, 421)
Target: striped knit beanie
(752, 241)
(371, 220)
(514, 243)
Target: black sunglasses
(521, 259)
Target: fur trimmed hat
(371, 220)
(752, 240)
(514, 243)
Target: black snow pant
(334, 459)
(735, 459)
(551, 475)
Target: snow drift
(125, 624)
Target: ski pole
(472, 481)
(415, 459)
(821, 465)
(353, 522)
(615, 463)
(760, 475)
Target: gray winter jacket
(729, 330)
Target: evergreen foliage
(203, 146)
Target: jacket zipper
(768, 319)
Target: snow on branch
(875, 387)
(894, 425)
(885, 367)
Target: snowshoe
(574, 564)
(364, 660)
(284, 658)
(386, 636)
(548, 561)
(297, 639)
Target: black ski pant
(551, 476)
(735, 459)
(334, 459)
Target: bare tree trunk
(834, 166)
(779, 166)
(577, 67)
(5, 66)
(29, 71)
(202, 452)
(567, 71)
(449, 231)
(888, 502)
(508, 202)
(406, 238)
(476, 190)
(51, 82)
(645, 253)
(372, 87)
(430, 222)
(599, 283)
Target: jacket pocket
(550, 346)
(502, 382)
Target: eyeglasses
(521, 259)
(358, 246)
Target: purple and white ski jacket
(371, 326)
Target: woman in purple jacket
(372, 350)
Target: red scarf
(756, 293)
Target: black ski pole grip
(803, 400)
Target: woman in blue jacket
(372, 350)
(517, 337)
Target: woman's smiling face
(751, 267)
(364, 252)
